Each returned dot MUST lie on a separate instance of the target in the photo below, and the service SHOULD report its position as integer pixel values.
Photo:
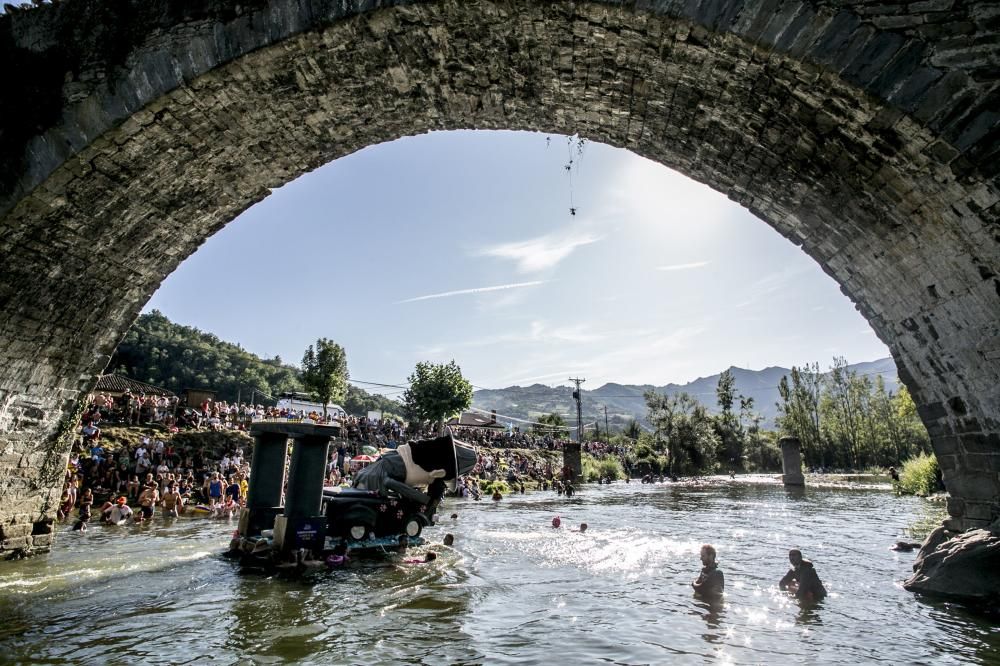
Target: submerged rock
(962, 567)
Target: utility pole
(579, 409)
(607, 430)
(572, 453)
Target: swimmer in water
(710, 582)
(449, 540)
(557, 521)
(339, 556)
(583, 528)
(430, 556)
(802, 579)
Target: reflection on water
(513, 589)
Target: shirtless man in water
(802, 580)
(148, 499)
(173, 502)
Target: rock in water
(964, 567)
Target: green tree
(324, 371)
(762, 453)
(360, 402)
(842, 409)
(632, 430)
(685, 427)
(915, 437)
(798, 411)
(437, 391)
(725, 391)
(550, 423)
(727, 425)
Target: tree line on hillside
(175, 357)
(844, 421)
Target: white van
(302, 402)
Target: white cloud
(683, 267)
(474, 290)
(538, 254)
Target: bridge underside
(894, 198)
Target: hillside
(625, 402)
(175, 357)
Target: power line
(359, 381)
(519, 420)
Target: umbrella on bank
(358, 462)
(370, 450)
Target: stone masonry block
(42, 540)
(15, 531)
(16, 543)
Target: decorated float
(394, 495)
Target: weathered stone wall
(866, 133)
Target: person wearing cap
(557, 521)
(117, 513)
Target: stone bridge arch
(132, 131)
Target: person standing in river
(802, 579)
(710, 582)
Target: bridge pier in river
(572, 461)
(791, 462)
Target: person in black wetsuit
(710, 582)
(802, 579)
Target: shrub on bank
(487, 487)
(594, 470)
(919, 476)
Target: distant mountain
(625, 402)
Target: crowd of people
(151, 475)
(133, 409)
(156, 475)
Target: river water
(513, 590)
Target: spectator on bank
(91, 433)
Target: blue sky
(461, 245)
